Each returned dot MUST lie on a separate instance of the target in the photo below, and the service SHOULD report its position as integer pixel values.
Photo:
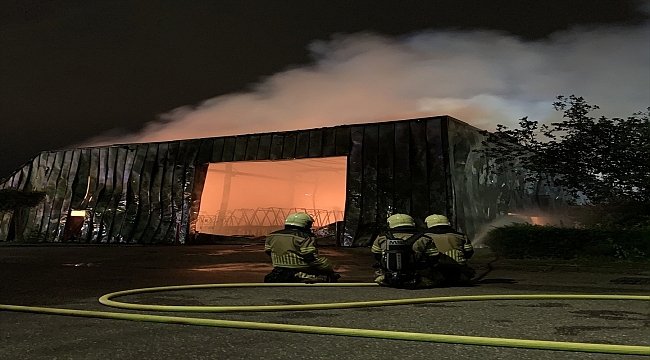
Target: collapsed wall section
(480, 196)
(137, 193)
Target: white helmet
(436, 220)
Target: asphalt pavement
(74, 277)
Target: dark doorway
(73, 227)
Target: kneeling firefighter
(403, 255)
(294, 255)
(455, 249)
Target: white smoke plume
(483, 78)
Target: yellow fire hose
(378, 334)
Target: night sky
(73, 70)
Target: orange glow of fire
(304, 183)
(535, 220)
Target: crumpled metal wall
(480, 196)
(150, 193)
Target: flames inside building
(254, 198)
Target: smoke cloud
(483, 78)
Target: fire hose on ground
(321, 330)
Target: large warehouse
(352, 175)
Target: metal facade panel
(451, 192)
(16, 179)
(200, 174)
(102, 195)
(146, 206)
(419, 173)
(188, 187)
(31, 214)
(240, 148)
(24, 177)
(156, 194)
(302, 144)
(134, 202)
(108, 196)
(315, 143)
(19, 219)
(38, 182)
(173, 232)
(125, 197)
(402, 168)
(469, 207)
(385, 173)
(205, 151)
(289, 146)
(217, 150)
(93, 177)
(264, 148)
(81, 182)
(60, 187)
(368, 225)
(229, 149)
(5, 223)
(328, 142)
(124, 161)
(353, 201)
(477, 194)
(166, 196)
(343, 143)
(36, 172)
(277, 145)
(87, 203)
(436, 166)
(67, 196)
(251, 148)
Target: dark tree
(601, 160)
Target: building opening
(253, 198)
(73, 224)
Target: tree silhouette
(600, 160)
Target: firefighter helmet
(398, 220)
(299, 219)
(436, 220)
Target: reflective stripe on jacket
(454, 247)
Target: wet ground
(75, 276)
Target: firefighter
(403, 255)
(454, 248)
(294, 255)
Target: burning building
(352, 175)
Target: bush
(525, 241)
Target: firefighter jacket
(423, 247)
(425, 250)
(295, 248)
(454, 247)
